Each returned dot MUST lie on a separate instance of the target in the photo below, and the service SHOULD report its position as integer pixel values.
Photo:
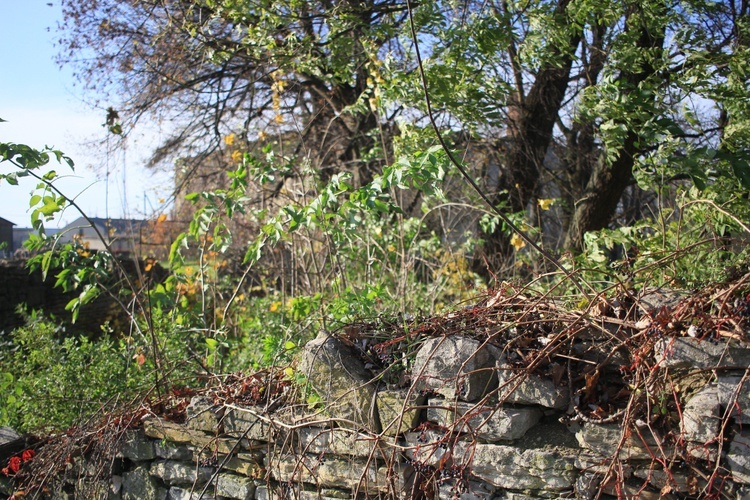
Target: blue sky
(43, 106)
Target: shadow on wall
(19, 287)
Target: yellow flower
(374, 101)
(236, 156)
(517, 242)
(274, 306)
(278, 119)
(229, 140)
(546, 203)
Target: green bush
(51, 379)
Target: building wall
(6, 238)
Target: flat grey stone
(604, 439)
(234, 486)
(244, 423)
(173, 451)
(336, 442)
(8, 435)
(690, 353)
(676, 482)
(176, 493)
(246, 464)
(652, 299)
(524, 389)
(180, 473)
(489, 424)
(262, 493)
(330, 472)
(509, 467)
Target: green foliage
(46, 202)
(689, 247)
(52, 378)
(291, 246)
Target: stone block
(456, 367)
(246, 464)
(176, 493)
(604, 439)
(344, 442)
(137, 446)
(330, 472)
(180, 473)
(234, 486)
(690, 353)
(502, 466)
(509, 467)
(173, 451)
(524, 389)
(652, 299)
(489, 424)
(262, 492)
(247, 424)
(204, 415)
(738, 457)
(335, 372)
(703, 414)
(399, 410)
(674, 482)
(169, 431)
(138, 484)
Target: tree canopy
(601, 106)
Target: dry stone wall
(470, 425)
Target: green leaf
(741, 169)
(71, 304)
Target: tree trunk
(607, 182)
(531, 121)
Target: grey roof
(120, 226)
(6, 222)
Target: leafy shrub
(52, 379)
